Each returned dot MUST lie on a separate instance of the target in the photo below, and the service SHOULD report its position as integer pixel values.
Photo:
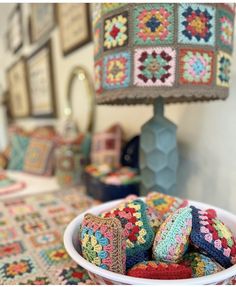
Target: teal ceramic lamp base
(158, 153)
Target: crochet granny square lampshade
(158, 52)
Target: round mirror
(81, 99)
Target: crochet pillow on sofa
(39, 157)
(19, 145)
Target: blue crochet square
(116, 71)
(196, 24)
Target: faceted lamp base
(158, 153)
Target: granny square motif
(116, 71)
(154, 66)
(38, 159)
(196, 24)
(172, 238)
(201, 265)
(214, 238)
(196, 66)
(160, 270)
(19, 145)
(116, 31)
(136, 228)
(103, 243)
(164, 204)
(223, 69)
(225, 26)
(153, 24)
(17, 267)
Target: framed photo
(74, 25)
(42, 20)
(15, 32)
(18, 92)
(41, 82)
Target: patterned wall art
(18, 93)
(41, 82)
(42, 20)
(15, 29)
(74, 26)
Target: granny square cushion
(213, 237)
(172, 238)
(164, 204)
(200, 264)
(160, 270)
(136, 228)
(19, 145)
(39, 157)
(103, 243)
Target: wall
(206, 131)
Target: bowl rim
(120, 278)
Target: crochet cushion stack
(139, 239)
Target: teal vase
(158, 153)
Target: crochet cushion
(213, 237)
(160, 270)
(155, 219)
(172, 238)
(164, 204)
(136, 228)
(103, 243)
(201, 264)
(19, 145)
(39, 157)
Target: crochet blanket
(9, 185)
(31, 239)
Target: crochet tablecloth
(31, 238)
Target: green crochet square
(153, 24)
(225, 30)
(19, 145)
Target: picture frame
(41, 82)
(18, 89)
(42, 20)
(74, 26)
(15, 32)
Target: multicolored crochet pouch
(165, 204)
(160, 270)
(136, 228)
(201, 264)
(172, 238)
(213, 237)
(103, 243)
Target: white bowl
(101, 276)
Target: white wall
(206, 131)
